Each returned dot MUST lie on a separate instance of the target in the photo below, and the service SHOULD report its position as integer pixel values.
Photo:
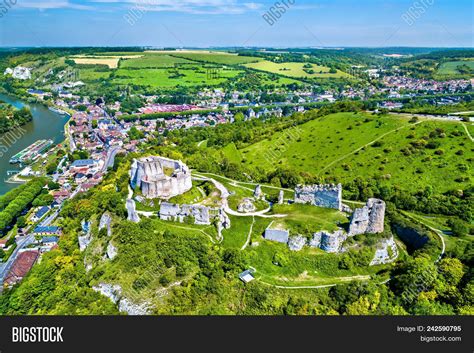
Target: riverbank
(45, 125)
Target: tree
(458, 227)
(452, 270)
(21, 222)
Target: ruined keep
(160, 177)
(368, 219)
(327, 196)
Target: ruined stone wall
(327, 196)
(368, 219)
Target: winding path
(225, 203)
(342, 279)
(467, 132)
(438, 232)
(249, 236)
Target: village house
(49, 230)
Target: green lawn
(91, 74)
(309, 266)
(319, 142)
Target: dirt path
(438, 232)
(249, 236)
(341, 279)
(245, 183)
(225, 204)
(467, 132)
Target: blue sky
(194, 23)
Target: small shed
(246, 276)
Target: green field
(450, 68)
(295, 69)
(307, 219)
(216, 57)
(91, 74)
(153, 61)
(347, 145)
(168, 78)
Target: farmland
(451, 68)
(111, 61)
(296, 70)
(153, 61)
(168, 78)
(222, 58)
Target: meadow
(221, 58)
(450, 69)
(348, 145)
(111, 61)
(296, 70)
(153, 61)
(172, 77)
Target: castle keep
(368, 219)
(328, 196)
(160, 177)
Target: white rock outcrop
(111, 251)
(125, 305)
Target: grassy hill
(454, 69)
(348, 145)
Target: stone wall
(172, 212)
(329, 242)
(279, 235)
(327, 196)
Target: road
(21, 243)
(430, 116)
(111, 153)
(341, 280)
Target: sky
(241, 23)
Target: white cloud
(189, 6)
(51, 4)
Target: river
(45, 125)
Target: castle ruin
(368, 219)
(327, 196)
(160, 177)
(329, 242)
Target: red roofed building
(21, 266)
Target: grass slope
(347, 145)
